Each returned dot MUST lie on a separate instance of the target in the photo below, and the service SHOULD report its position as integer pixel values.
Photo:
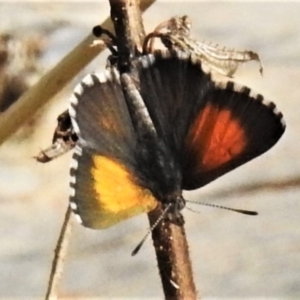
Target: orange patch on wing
(118, 197)
(215, 138)
(109, 123)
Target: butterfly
(141, 147)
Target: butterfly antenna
(98, 31)
(242, 211)
(140, 244)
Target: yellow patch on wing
(117, 195)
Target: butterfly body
(140, 147)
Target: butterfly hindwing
(104, 186)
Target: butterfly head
(174, 205)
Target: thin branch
(129, 29)
(59, 256)
(169, 239)
(172, 254)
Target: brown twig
(129, 29)
(173, 259)
(169, 239)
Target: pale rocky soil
(234, 256)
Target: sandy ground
(234, 256)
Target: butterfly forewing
(170, 87)
(244, 126)
(212, 127)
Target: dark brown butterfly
(179, 131)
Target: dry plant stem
(172, 254)
(129, 29)
(169, 240)
(59, 256)
(52, 83)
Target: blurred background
(233, 256)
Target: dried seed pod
(175, 35)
